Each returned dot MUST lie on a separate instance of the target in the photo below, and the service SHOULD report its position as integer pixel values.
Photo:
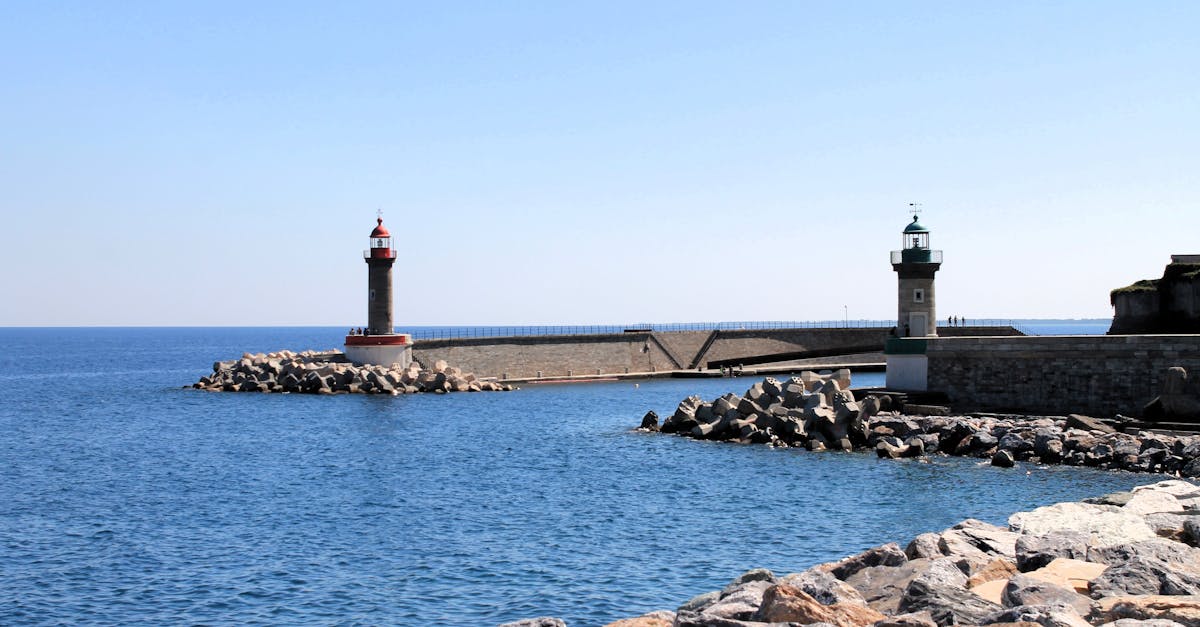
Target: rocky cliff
(1167, 305)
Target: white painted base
(908, 373)
(380, 355)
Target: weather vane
(915, 208)
(379, 212)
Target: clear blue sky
(588, 162)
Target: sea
(128, 499)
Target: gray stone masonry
(1100, 375)
(619, 353)
(380, 312)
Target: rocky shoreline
(1129, 559)
(819, 412)
(328, 372)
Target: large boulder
(883, 586)
(1035, 551)
(1076, 575)
(1174, 554)
(1184, 610)
(1044, 615)
(926, 545)
(1048, 444)
(986, 537)
(699, 602)
(1146, 575)
(1087, 423)
(885, 555)
(966, 556)
(891, 448)
(785, 603)
(660, 618)
(999, 569)
(692, 619)
(824, 587)
(898, 426)
(1027, 590)
(978, 444)
(946, 604)
(1106, 525)
(750, 576)
(1191, 531)
(740, 602)
(1174, 526)
(1018, 444)
(1145, 502)
(1186, 492)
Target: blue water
(125, 499)
(1063, 327)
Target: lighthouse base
(379, 350)
(907, 364)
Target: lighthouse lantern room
(378, 343)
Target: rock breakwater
(1130, 559)
(819, 412)
(328, 372)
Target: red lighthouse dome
(381, 242)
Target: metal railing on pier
(454, 332)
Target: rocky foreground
(328, 372)
(1128, 560)
(819, 412)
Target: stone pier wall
(618, 353)
(732, 345)
(1099, 375)
(551, 355)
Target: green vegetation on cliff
(1145, 285)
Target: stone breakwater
(328, 372)
(818, 412)
(1129, 559)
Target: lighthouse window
(918, 295)
(371, 295)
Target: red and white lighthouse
(378, 343)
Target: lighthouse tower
(915, 264)
(916, 318)
(378, 343)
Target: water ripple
(127, 500)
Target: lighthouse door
(918, 324)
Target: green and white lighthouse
(915, 264)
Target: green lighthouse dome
(915, 227)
